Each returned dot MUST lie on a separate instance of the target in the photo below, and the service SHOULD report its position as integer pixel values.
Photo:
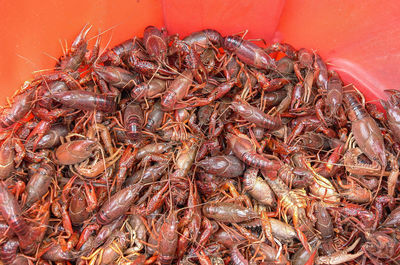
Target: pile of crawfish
(202, 150)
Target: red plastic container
(359, 38)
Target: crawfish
(305, 60)
(232, 68)
(243, 148)
(255, 115)
(40, 130)
(341, 256)
(207, 183)
(176, 91)
(155, 202)
(18, 110)
(334, 96)
(257, 187)
(228, 212)
(309, 123)
(270, 254)
(374, 169)
(184, 161)
(218, 92)
(298, 95)
(321, 72)
(285, 65)
(313, 141)
(322, 187)
(366, 218)
(92, 170)
(204, 38)
(115, 77)
(366, 132)
(294, 203)
(133, 121)
(118, 53)
(74, 58)
(118, 204)
(280, 230)
(274, 98)
(8, 253)
(45, 90)
(393, 114)
(353, 165)
(209, 60)
(99, 129)
(380, 245)
(50, 139)
(168, 239)
(77, 207)
(296, 177)
(146, 68)
(224, 166)
(39, 183)
(55, 252)
(286, 48)
(155, 118)
(324, 221)
(192, 217)
(393, 219)
(106, 231)
(209, 228)
(124, 164)
(249, 53)
(154, 41)
(75, 151)
(86, 100)
(12, 213)
(236, 257)
(110, 252)
(147, 175)
(85, 235)
(7, 154)
(148, 90)
(41, 217)
(268, 85)
(156, 148)
(354, 192)
(192, 60)
(138, 226)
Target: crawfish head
(393, 117)
(380, 245)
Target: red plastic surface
(260, 18)
(32, 31)
(359, 38)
